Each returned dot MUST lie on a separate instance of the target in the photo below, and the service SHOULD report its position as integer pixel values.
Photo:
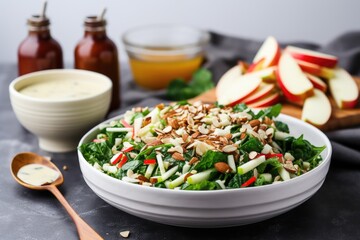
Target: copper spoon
(84, 230)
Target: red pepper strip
(249, 182)
(127, 149)
(271, 155)
(149, 161)
(123, 161)
(123, 122)
(116, 158)
(98, 140)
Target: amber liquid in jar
(39, 51)
(96, 52)
(156, 72)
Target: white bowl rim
(13, 91)
(298, 179)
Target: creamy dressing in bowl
(62, 89)
(37, 174)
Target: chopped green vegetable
(209, 159)
(270, 112)
(201, 81)
(204, 185)
(252, 144)
(281, 126)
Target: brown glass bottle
(39, 51)
(96, 52)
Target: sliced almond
(202, 148)
(155, 142)
(269, 131)
(242, 136)
(254, 122)
(199, 116)
(289, 167)
(186, 176)
(190, 120)
(267, 121)
(167, 129)
(192, 109)
(228, 136)
(193, 160)
(173, 123)
(160, 106)
(143, 178)
(203, 130)
(178, 149)
(229, 148)
(215, 122)
(184, 136)
(263, 127)
(222, 167)
(195, 135)
(153, 180)
(159, 131)
(223, 140)
(178, 156)
(125, 234)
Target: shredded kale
(201, 81)
(234, 182)
(96, 152)
(132, 165)
(269, 112)
(252, 144)
(209, 159)
(281, 126)
(204, 185)
(272, 162)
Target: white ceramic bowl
(216, 208)
(59, 124)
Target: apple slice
(317, 82)
(233, 90)
(228, 77)
(244, 66)
(321, 59)
(263, 90)
(256, 66)
(267, 101)
(344, 89)
(267, 74)
(292, 81)
(315, 69)
(269, 51)
(316, 109)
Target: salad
(200, 147)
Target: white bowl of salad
(203, 165)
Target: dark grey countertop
(332, 213)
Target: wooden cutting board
(340, 118)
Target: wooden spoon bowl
(84, 230)
(26, 158)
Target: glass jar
(39, 51)
(96, 52)
(159, 54)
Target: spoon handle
(84, 230)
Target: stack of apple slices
(301, 76)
